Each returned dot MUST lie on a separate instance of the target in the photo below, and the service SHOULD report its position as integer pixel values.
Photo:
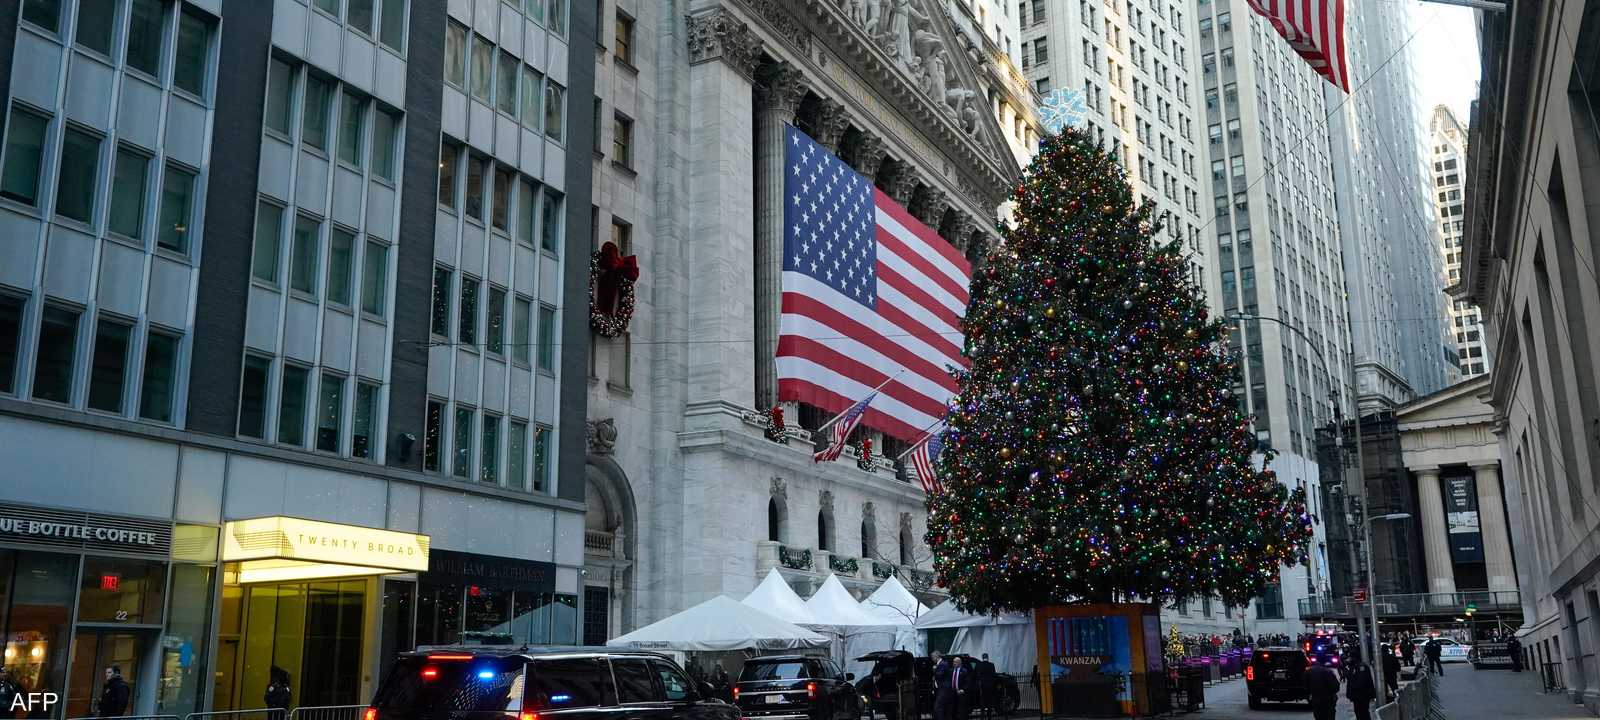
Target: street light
(1372, 582)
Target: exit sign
(110, 582)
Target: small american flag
(871, 297)
(1315, 29)
(840, 430)
(922, 457)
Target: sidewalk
(1469, 694)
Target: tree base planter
(1101, 660)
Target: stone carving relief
(867, 154)
(719, 35)
(903, 184)
(832, 121)
(907, 34)
(602, 436)
(780, 490)
(929, 205)
(782, 87)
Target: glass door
(93, 651)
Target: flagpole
(835, 419)
(927, 432)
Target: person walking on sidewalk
(1408, 651)
(1360, 690)
(1391, 673)
(1431, 651)
(1322, 689)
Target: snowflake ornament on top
(1063, 108)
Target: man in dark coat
(1360, 690)
(1391, 672)
(115, 694)
(1322, 687)
(1432, 651)
(9, 689)
(960, 687)
(987, 697)
(941, 687)
(1408, 651)
(1515, 648)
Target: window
(58, 343)
(280, 95)
(489, 450)
(516, 450)
(676, 685)
(541, 459)
(269, 226)
(44, 13)
(527, 212)
(448, 154)
(392, 29)
(557, 13)
(506, 84)
(24, 152)
(432, 436)
(496, 320)
(359, 15)
(455, 54)
(621, 361)
(303, 256)
(521, 320)
(96, 22)
(550, 235)
(177, 200)
(10, 335)
(364, 421)
(622, 140)
(385, 128)
(547, 338)
(461, 465)
(475, 169)
(127, 194)
(532, 89)
(623, 47)
(157, 389)
(467, 321)
(292, 406)
(482, 68)
(189, 63)
(108, 368)
(374, 278)
(599, 149)
(314, 123)
(440, 324)
(145, 19)
(500, 214)
(351, 114)
(253, 397)
(330, 412)
(554, 110)
(341, 248)
(330, 7)
(80, 153)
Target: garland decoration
(865, 449)
(775, 430)
(611, 279)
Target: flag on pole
(869, 293)
(922, 457)
(840, 429)
(1315, 29)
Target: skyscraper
(1448, 146)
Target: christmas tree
(1095, 451)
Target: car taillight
(811, 691)
(736, 693)
(449, 657)
(1249, 672)
(370, 713)
(428, 673)
(528, 715)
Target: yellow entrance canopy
(280, 549)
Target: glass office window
(177, 209)
(10, 335)
(303, 256)
(433, 436)
(75, 185)
(504, 181)
(392, 29)
(482, 68)
(521, 329)
(341, 249)
(516, 452)
(440, 322)
(506, 80)
(314, 120)
(189, 63)
(145, 20)
(253, 396)
(269, 227)
(374, 278)
(280, 95)
(532, 92)
(455, 54)
(109, 367)
(19, 180)
(449, 157)
(554, 110)
(44, 13)
(160, 377)
(127, 194)
(489, 450)
(462, 464)
(547, 338)
(476, 167)
(359, 15)
(330, 412)
(97, 20)
(364, 421)
(385, 134)
(292, 405)
(467, 320)
(58, 344)
(352, 113)
(495, 320)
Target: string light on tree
(1095, 451)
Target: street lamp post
(1372, 581)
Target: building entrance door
(312, 632)
(94, 650)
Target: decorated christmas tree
(1095, 451)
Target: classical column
(903, 184)
(929, 206)
(780, 91)
(1492, 525)
(832, 121)
(866, 154)
(1435, 537)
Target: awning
(281, 549)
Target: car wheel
(1255, 703)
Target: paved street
(1228, 699)
(1469, 694)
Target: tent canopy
(832, 605)
(720, 624)
(893, 603)
(774, 597)
(946, 615)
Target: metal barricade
(328, 712)
(130, 717)
(1551, 674)
(249, 714)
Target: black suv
(795, 687)
(1277, 674)
(477, 683)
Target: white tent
(893, 603)
(947, 615)
(774, 597)
(832, 605)
(720, 624)
(1007, 638)
(855, 631)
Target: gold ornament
(1005, 453)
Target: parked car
(795, 687)
(896, 664)
(1450, 651)
(1277, 674)
(479, 683)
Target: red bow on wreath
(611, 279)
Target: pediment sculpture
(907, 34)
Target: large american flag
(1315, 29)
(869, 294)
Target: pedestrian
(115, 694)
(1408, 650)
(1359, 689)
(1391, 673)
(961, 682)
(1431, 651)
(9, 689)
(1515, 649)
(1322, 689)
(941, 687)
(723, 683)
(280, 692)
(984, 673)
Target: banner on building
(1461, 511)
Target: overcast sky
(1445, 52)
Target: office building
(1448, 144)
